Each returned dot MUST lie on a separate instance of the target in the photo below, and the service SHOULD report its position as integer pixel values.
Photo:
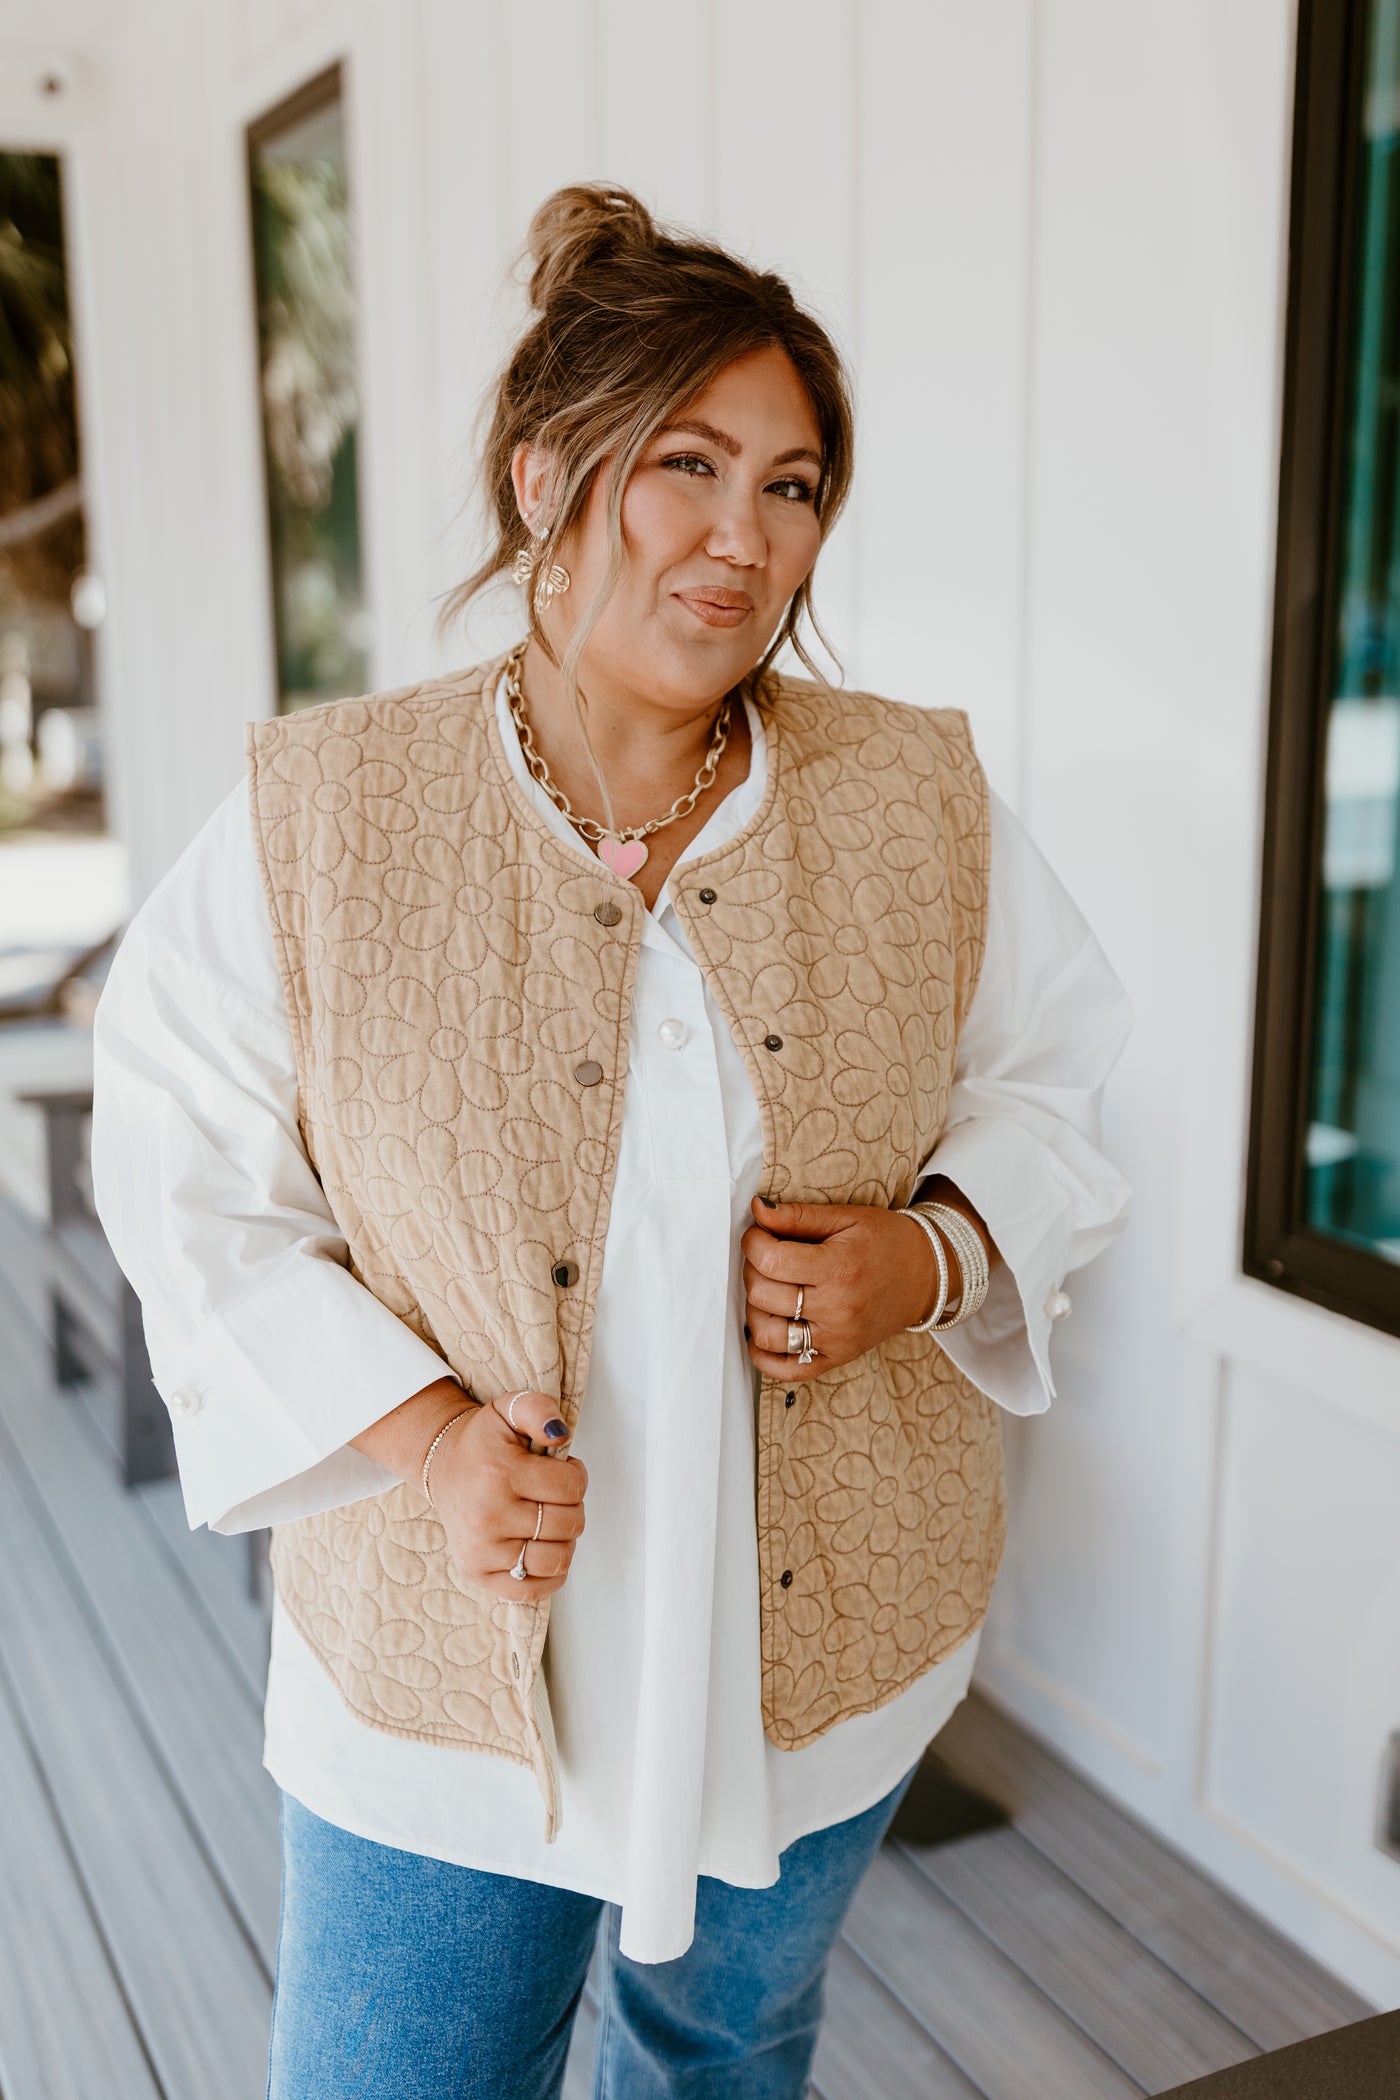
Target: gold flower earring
(552, 579)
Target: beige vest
(459, 983)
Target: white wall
(1051, 236)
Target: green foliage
(38, 411)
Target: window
(1323, 1212)
(310, 401)
(50, 601)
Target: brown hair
(633, 321)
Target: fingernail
(747, 1336)
(768, 1203)
(555, 1428)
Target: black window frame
(1279, 1246)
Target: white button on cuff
(185, 1402)
(1058, 1304)
(672, 1033)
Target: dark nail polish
(768, 1203)
(555, 1428)
(747, 1336)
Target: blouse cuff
(1004, 1173)
(264, 1404)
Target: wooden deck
(1067, 1953)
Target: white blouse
(271, 1357)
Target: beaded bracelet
(926, 1326)
(967, 1243)
(428, 1456)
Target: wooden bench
(95, 1315)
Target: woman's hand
(488, 1487)
(866, 1273)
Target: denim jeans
(404, 1978)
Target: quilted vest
(459, 984)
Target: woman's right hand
(489, 1489)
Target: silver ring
(801, 1294)
(797, 1336)
(510, 1409)
(519, 1572)
(539, 1521)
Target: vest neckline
(484, 677)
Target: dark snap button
(565, 1273)
(772, 1042)
(607, 914)
(791, 1400)
(708, 896)
(589, 1072)
(786, 1578)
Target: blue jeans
(403, 1978)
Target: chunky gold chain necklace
(624, 850)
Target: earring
(552, 580)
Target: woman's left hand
(865, 1274)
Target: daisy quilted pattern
(460, 1006)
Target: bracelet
(925, 1326)
(428, 1458)
(967, 1243)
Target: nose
(737, 536)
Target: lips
(717, 606)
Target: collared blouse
(272, 1357)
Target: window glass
(50, 601)
(1353, 1143)
(310, 400)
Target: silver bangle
(926, 1326)
(428, 1457)
(973, 1261)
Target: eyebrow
(694, 428)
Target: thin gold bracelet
(428, 1459)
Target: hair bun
(580, 225)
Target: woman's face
(719, 528)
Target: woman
(541, 1065)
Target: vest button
(786, 1578)
(589, 1072)
(708, 896)
(565, 1273)
(772, 1042)
(791, 1400)
(607, 914)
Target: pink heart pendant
(623, 856)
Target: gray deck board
(869, 2044)
(215, 1568)
(197, 1990)
(1154, 2026)
(578, 2072)
(191, 1700)
(1253, 1977)
(1001, 2032)
(53, 1963)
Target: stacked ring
(800, 1343)
(520, 1573)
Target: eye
(688, 463)
(795, 490)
